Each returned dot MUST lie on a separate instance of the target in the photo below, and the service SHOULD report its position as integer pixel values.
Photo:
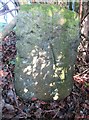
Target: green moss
(47, 7)
(44, 7)
(51, 10)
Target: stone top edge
(49, 8)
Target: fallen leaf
(2, 73)
(9, 107)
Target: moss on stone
(47, 9)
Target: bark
(80, 9)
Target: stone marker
(48, 37)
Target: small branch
(9, 11)
(4, 4)
(80, 74)
(80, 9)
(56, 113)
(7, 29)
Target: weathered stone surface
(48, 39)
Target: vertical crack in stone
(53, 55)
(51, 46)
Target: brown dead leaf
(2, 73)
(9, 107)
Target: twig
(82, 72)
(47, 111)
(4, 4)
(9, 11)
(56, 113)
(7, 29)
(80, 9)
